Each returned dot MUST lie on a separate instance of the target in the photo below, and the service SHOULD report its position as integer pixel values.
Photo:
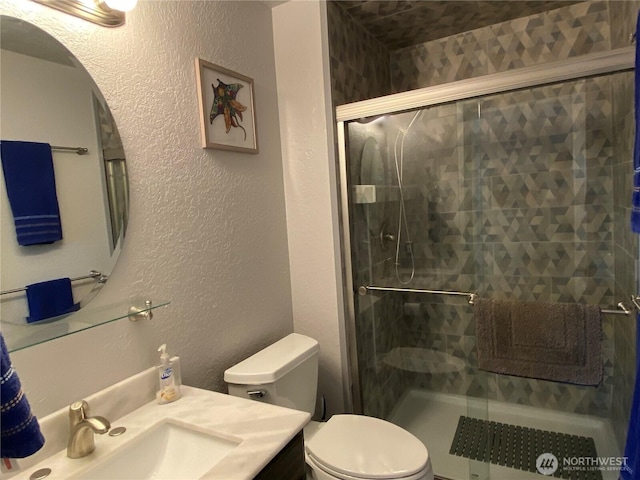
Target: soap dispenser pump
(168, 376)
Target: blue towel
(635, 199)
(20, 430)
(31, 188)
(632, 450)
(50, 299)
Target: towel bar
(623, 310)
(364, 289)
(100, 278)
(78, 150)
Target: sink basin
(167, 450)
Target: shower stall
(512, 186)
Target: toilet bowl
(346, 447)
(349, 447)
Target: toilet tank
(284, 373)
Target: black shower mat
(519, 447)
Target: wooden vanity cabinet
(289, 464)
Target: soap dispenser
(169, 377)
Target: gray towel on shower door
(561, 342)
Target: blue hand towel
(50, 299)
(20, 430)
(632, 450)
(31, 188)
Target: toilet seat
(426, 474)
(366, 448)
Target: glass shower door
(517, 196)
(407, 228)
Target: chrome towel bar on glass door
(364, 289)
(92, 274)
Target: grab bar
(364, 289)
(92, 274)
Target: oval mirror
(61, 152)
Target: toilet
(346, 447)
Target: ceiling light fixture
(108, 13)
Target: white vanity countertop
(263, 430)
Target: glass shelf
(20, 336)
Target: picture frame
(226, 108)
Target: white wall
(207, 228)
(304, 98)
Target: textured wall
(207, 228)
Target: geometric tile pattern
(359, 62)
(568, 31)
(401, 23)
(527, 200)
(526, 41)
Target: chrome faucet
(81, 442)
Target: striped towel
(31, 189)
(20, 431)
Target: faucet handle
(78, 411)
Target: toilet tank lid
(271, 363)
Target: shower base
(433, 418)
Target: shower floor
(433, 418)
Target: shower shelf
(374, 193)
(365, 289)
(383, 193)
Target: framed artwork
(226, 108)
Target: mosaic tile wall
(544, 186)
(519, 206)
(516, 204)
(566, 32)
(359, 62)
(403, 23)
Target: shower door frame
(612, 61)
